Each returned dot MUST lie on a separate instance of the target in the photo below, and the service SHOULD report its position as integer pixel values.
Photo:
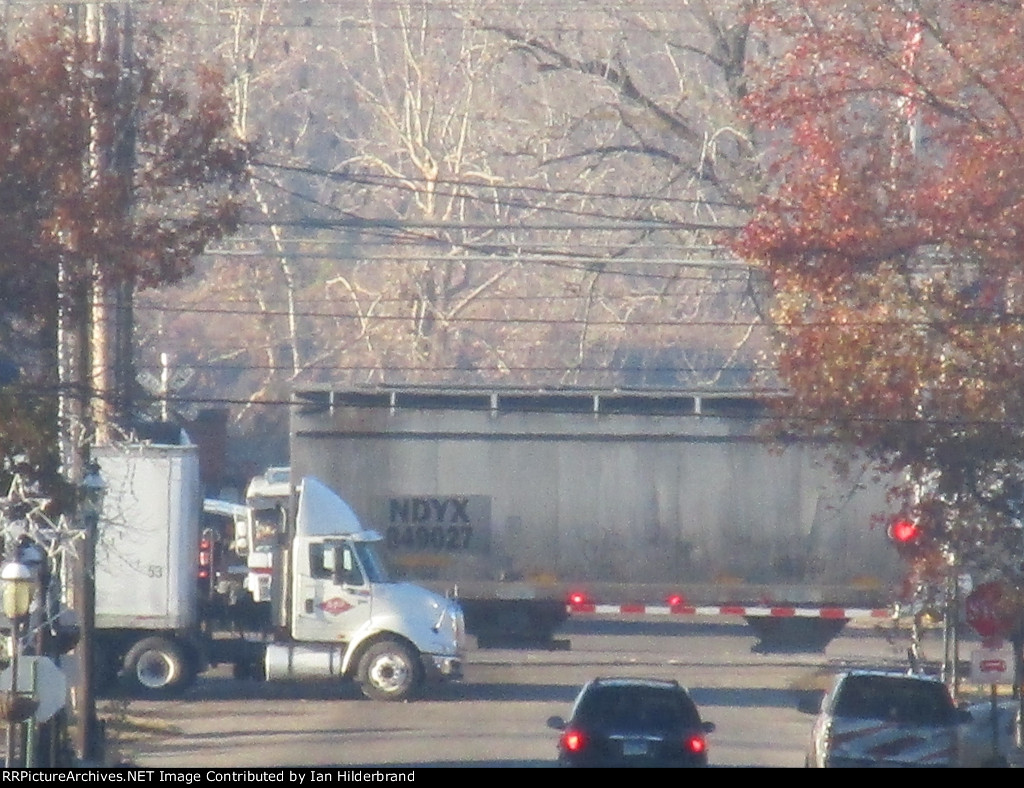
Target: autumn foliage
(892, 229)
(103, 168)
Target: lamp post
(17, 584)
(87, 743)
(39, 746)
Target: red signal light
(696, 744)
(573, 741)
(675, 600)
(904, 532)
(578, 598)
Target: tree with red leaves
(142, 225)
(892, 231)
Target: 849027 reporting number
(429, 537)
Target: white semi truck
(337, 613)
(340, 613)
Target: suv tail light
(696, 744)
(205, 557)
(573, 741)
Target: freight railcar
(519, 498)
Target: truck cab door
(333, 597)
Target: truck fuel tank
(288, 661)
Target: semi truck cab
(348, 617)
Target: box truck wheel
(156, 666)
(389, 670)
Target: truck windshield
(373, 563)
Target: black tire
(156, 667)
(389, 670)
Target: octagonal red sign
(990, 611)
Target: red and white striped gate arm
(760, 611)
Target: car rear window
(638, 706)
(894, 698)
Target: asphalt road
(496, 716)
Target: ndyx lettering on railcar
(419, 510)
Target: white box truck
(148, 628)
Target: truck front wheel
(389, 670)
(156, 666)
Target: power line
(604, 264)
(522, 254)
(764, 394)
(677, 371)
(614, 223)
(258, 309)
(398, 182)
(610, 222)
(501, 319)
(984, 319)
(607, 265)
(402, 225)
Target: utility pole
(124, 159)
(102, 30)
(110, 161)
(71, 329)
(94, 324)
(95, 361)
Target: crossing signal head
(905, 532)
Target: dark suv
(632, 722)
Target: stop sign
(990, 610)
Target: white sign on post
(51, 687)
(992, 666)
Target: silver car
(875, 718)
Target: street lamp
(17, 590)
(92, 491)
(17, 585)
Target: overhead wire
(398, 182)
